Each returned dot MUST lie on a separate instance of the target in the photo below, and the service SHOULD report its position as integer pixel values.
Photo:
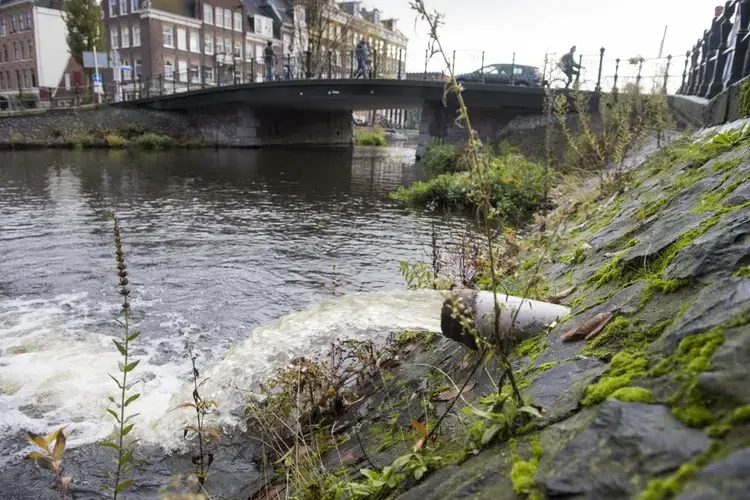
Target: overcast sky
(532, 27)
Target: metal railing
(721, 57)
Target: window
(227, 19)
(2, 26)
(137, 68)
(125, 37)
(209, 74)
(23, 51)
(195, 73)
(209, 43)
(28, 20)
(517, 70)
(32, 74)
(123, 6)
(5, 53)
(127, 71)
(248, 51)
(237, 21)
(16, 54)
(168, 69)
(182, 70)
(18, 79)
(31, 49)
(136, 35)
(264, 26)
(259, 53)
(208, 14)
(238, 49)
(2, 80)
(67, 81)
(166, 37)
(194, 42)
(112, 8)
(181, 39)
(219, 17)
(114, 38)
(13, 24)
(21, 24)
(227, 46)
(133, 5)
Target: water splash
(359, 316)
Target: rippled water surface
(217, 243)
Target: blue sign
(97, 79)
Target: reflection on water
(217, 243)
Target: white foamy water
(359, 316)
(57, 375)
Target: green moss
(522, 472)
(671, 485)
(623, 369)
(576, 302)
(633, 395)
(743, 272)
(713, 201)
(652, 208)
(611, 271)
(622, 335)
(718, 430)
(741, 415)
(745, 99)
(690, 360)
(532, 347)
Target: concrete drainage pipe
(533, 317)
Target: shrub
(115, 141)
(374, 137)
(154, 141)
(745, 99)
(518, 187)
(438, 158)
(82, 141)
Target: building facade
(33, 50)
(168, 46)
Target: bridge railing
(720, 57)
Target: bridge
(306, 112)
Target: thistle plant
(205, 455)
(123, 450)
(479, 171)
(51, 460)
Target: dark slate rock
(725, 479)
(626, 443)
(621, 225)
(626, 301)
(729, 375)
(559, 389)
(738, 196)
(717, 304)
(718, 252)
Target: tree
(322, 28)
(85, 29)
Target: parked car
(529, 76)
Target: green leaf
(131, 385)
(129, 417)
(119, 385)
(59, 449)
(108, 444)
(121, 366)
(490, 432)
(127, 430)
(531, 411)
(132, 398)
(125, 458)
(123, 485)
(131, 366)
(419, 472)
(369, 474)
(133, 336)
(120, 348)
(400, 461)
(377, 483)
(111, 412)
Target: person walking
(361, 54)
(269, 57)
(569, 66)
(369, 57)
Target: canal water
(217, 244)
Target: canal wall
(58, 127)
(222, 126)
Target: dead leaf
(561, 295)
(552, 300)
(454, 392)
(588, 329)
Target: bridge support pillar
(238, 125)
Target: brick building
(33, 50)
(170, 45)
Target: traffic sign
(97, 79)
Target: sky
(531, 28)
